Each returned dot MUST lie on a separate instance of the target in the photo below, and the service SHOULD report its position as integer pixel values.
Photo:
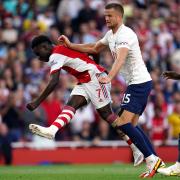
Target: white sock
(53, 129)
(133, 147)
(150, 158)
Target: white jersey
(134, 70)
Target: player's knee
(120, 121)
(73, 105)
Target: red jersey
(76, 63)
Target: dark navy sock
(136, 138)
(148, 142)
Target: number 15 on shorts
(126, 98)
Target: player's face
(43, 51)
(112, 17)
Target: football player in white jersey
(124, 46)
(173, 170)
(87, 90)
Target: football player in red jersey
(87, 90)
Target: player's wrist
(70, 45)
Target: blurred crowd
(22, 77)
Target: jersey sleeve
(56, 62)
(125, 40)
(104, 40)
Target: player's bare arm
(50, 87)
(119, 61)
(91, 48)
(171, 75)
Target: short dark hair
(115, 6)
(40, 39)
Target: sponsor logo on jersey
(123, 43)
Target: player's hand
(104, 80)
(32, 105)
(170, 75)
(64, 40)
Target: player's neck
(115, 29)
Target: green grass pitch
(75, 172)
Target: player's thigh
(99, 94)
(124, 118)
(78, 97)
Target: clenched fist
(64, 40)
(31, 106)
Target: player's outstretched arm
(50, 87)
(171, 75)
(91, 48)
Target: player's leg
(68, 111)
(173, 170)
(147, 140)
(149, 144)
(107, 114)
(124, 123)
(99, 94)
(133, 104)
(78, 98)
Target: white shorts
(98, 94)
